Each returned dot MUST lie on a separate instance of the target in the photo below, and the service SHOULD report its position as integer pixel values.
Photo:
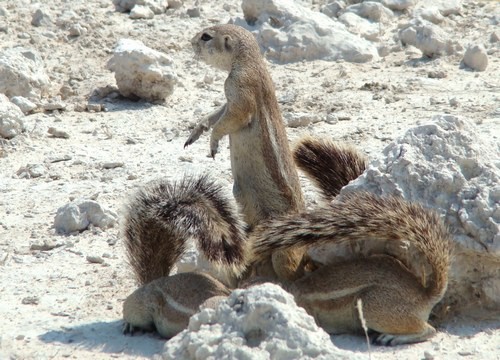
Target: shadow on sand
(105, 337)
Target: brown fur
(266, 182)
(329, 165)
(397, 303)
(163, 215)
(167, 303)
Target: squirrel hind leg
(399, 339)
(395, 321)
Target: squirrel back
(162, 216)
(361, 216)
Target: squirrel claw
(128, 329)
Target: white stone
(142, 71)
(398, 5)
(11, 119)
(77, 216)
(174, 4)
(301, 119)
(448, 166)
(446, 7)
(24, 104)
(427, 37)
(361, 26)
(476, 58)
(22, 73)
(262, 322)
(156, 6)
(371, 10)
(141, 12)
(290, 32)
(41, 18)
(495, 36)
(430, 13)
(333, 8)
(77, 30)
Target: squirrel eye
(206, 37)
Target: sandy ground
(61, 296)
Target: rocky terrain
(98, 97)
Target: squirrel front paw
(214, 147)
(195, 134)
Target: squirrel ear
(228, 43)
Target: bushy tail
(361, 216)
(330, 165)
(162, 216)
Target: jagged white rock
(22, 73)
(290, 32)
(430, 13)
(142, 71)
(11, 119)
(398, 5)
(156, 6)
(371, 10)
(361, 26)
(78, 215)
(447, 166)
(427, 37)
(262, 322)
(446, 7)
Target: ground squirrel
(266, 182)
(161, 217)
(396, 302)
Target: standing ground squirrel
(266, 182)
(163, 216)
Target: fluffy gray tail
(330, 165)
(163, 216)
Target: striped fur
(330, 165)
(163, 215)
(360, 216)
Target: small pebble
(95, 259)
(31, 300)
(112, 165)
(58, 133)
(193, 12)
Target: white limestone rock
(371, 10)
(41, 18)
(24, 104)
(430, 13)
(361, 26)
(141, 12)
(427, 37)
(446, 165)
(156, 6)
(476, 57)
(262, 322)
(11, 119)
(332, 9)
(445, 7)
(398, 5)
(22, 73)
(290, 32)
(141, 71)
(78, 215)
